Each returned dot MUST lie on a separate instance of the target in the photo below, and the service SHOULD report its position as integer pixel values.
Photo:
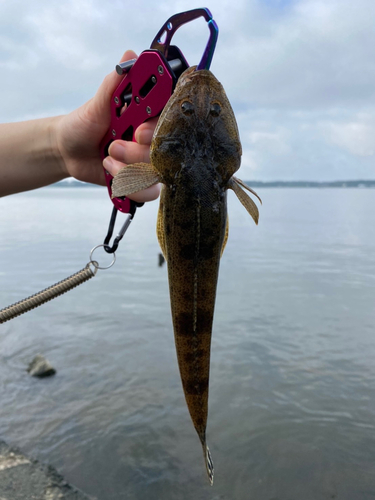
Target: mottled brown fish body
(194, 222)
(194, 153)
(196, 149)
(191, 158)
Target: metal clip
(172, 25)
(113, 248)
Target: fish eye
(215, 109)
(187, 108)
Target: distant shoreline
(72, 183)
(313, 184)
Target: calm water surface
(292, 393)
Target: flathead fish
(195, 151)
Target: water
(292, 393)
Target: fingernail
(117, 151)
(108, 164)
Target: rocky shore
(23, 478)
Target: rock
(12, 459)
(40, 367)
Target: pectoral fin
(242, 184)
(133, 178)
(237, 185)
(225, 237)
(160, 224)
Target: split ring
(95, 263)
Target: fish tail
(209, 463)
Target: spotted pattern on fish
(195, 152)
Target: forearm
(29, 155)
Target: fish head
(197, 123)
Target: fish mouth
(193, 73)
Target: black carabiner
(113, 248)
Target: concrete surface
(23, 478)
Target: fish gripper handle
(147, 85)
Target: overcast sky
(300, 74)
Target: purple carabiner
(172, 25)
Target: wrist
(53, 133)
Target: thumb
(99, 108)
(112, 80)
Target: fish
(194, 153)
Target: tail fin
(209, 463)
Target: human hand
(125, 152)
(79, 135)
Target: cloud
(300, 74)
(289, 144)
(356, 136)
(316, 54)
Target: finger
(129, 152)
(110, 83)
(114, 78)
(128, 54)
(145, 132)
(149, 194)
